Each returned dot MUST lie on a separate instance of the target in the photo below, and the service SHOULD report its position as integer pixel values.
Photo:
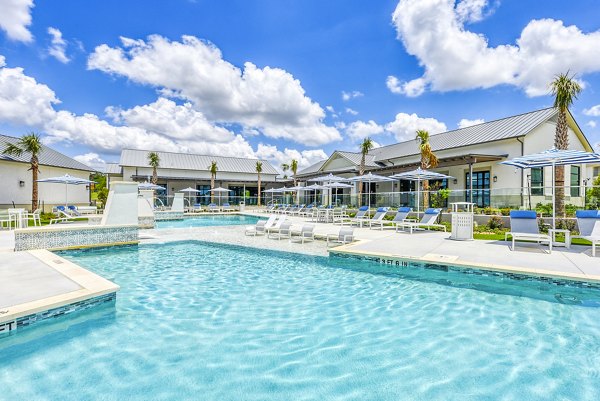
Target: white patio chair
(524, 226)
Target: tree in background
(213, 176)
(32, 144)
(565, 90)
(258, 171)
(154, 162)
(294, 168)
(285, 167)
(428, 160)
(365, 148)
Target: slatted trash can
(462, 221)
(242, 206)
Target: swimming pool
(205, 221)
(200, 321)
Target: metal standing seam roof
(355, 158)
(186, 161)
(505, 128)
(47, 157)
(113, 168)
(313, 168)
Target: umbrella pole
(553, 195)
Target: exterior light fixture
(455, 181)
(21, 183)
(495, 178)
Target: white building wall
(11, 173)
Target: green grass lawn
(500, 237)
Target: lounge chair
(588, 222)
(212, 207)
(297, 211)
(283, 209)
(62, 217)
(377, 219)
(72, 210)
(361, 215)
(345, 236)
(276, 224)
(260, 227)
(524, 226)
(307, 212)
(269, 209)
(306, 233)
(283, 231)
(428, 220)
(197, 208)
(401, 216)
(227, 207)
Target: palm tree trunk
(561, 141)
(425, 194)
(258, 199)
(212, 186)
(34, 186)
(154, 176)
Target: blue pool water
(205, 221)
(195, 321)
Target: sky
(282, 79)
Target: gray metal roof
(313, 168)
(355, 158)
(47, 157)
(185, 161)
(505, 128)
(113, 168)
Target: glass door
(481, 188)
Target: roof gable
(47, 157)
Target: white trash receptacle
(462, 221)
(242, 206)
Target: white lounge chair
(524, 226)
(283, 231)
(227, 207)
(276, 224)
(361, 215)
(260, 227)
(345, 236)
(378, 217)
(62, 217)
(306, 233)
(401, 216)
(212, 207)
(428, 220)
(588, 222)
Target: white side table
(552, 232)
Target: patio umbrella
(552, 158)
(370, 178)
(336, 185)
(313, 187)
(67, 180)
(220, 190)
(420, 175)
(190, 191)
(272, 191)
(328, 178)
(148, 185)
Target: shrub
(544, 209)
(495, 223)
(505, 211)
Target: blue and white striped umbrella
(148, 186)
(420, 175)
(552, 158)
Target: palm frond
(12, 150)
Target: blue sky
(66, 72)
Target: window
(537, 181)
(481, 188)
(596, 171)
(575, 178)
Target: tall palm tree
(565, 90)
(32, 144)
(213, 176)
(365, 147)
(285, 167)
(428, 160)
(294, 168)
(258, 171)
(154, 162)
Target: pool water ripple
(201, 321)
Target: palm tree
(294, 169)
(258, 171)
(565, 90)
(154, 162)
(32, 144)
(365, 147)
(428, 160)
(213, 176)
(285, 167)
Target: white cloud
(91, 159)
(277, 157)
(457, 59)
(269, 99)
(58, 46)
(464, 123)
(405, 125)
(413, 88)
(330, 109)
(472, 10)
(22, 99)
(351, 111)
(360, 129)
(591, 124)
(15, 17)
(593, 111)
(351, 95)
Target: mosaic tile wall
(168, 215)
(26, 321)
(68, 238)
(471, 271)
(146, 221)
